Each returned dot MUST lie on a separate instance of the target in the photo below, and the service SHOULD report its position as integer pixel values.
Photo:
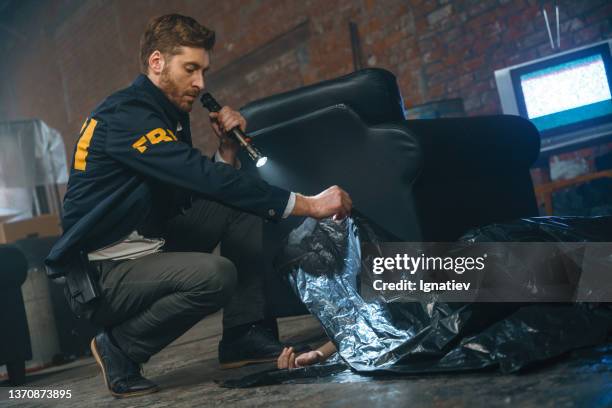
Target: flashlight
(213, 106)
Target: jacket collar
(174, 113)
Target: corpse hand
(288, 359)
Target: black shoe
(258, 345)
(121, 374)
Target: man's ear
(156, 62)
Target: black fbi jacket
(130, 158)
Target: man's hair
(168, 33)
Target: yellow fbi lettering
(87, 131)
(154, 137)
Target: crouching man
(146, 209)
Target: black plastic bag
(545, 229)
(431, 336)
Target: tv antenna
(550, 37)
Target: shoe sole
(242, 363)
(94, 351)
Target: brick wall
(63, 56)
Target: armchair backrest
(13, 267)
(371, 93)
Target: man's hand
(288, 359)
(333, 201)
(222, 122)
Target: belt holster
(82, 280)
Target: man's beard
(172, 91)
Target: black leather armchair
(422, 180)
(15, 347)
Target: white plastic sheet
(32, 164)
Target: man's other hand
(333, 201)
(222, 122)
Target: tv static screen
(567, 93)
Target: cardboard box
(3, 218)
(47, 225)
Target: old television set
(567, 96)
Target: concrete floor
(186, 371)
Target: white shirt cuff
(290, 205)
(219, 158)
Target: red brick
(84, 59)
(599, 14)
(587, 35)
